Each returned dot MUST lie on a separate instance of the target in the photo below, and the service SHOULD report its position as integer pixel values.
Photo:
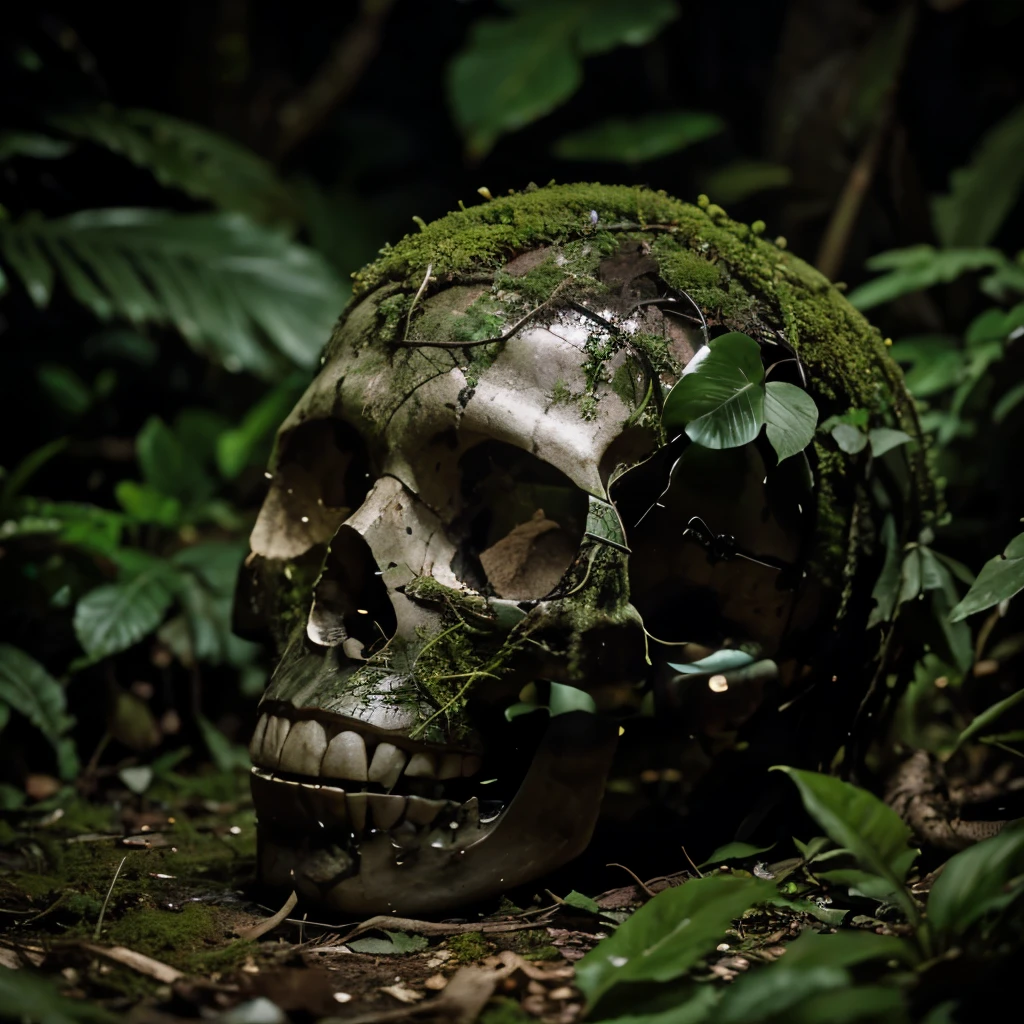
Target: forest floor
(145, 909)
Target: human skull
(474, 511)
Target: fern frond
(185, 156)
(236, 291)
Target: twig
(335, 80)
(415, 299)
(103, 909)
(847, 209)
(137, 962)
(423, 343)
(985, 632)
(690, 859)
(408, 924)
(271, 922)
(643, 885)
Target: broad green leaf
(226, 755)
(887, 588)
(989, 716)
(691, 1005)
(33, 999)
(516, 69)
(859, 822)
(395, 943)
(249, 442)
(668, 935)
(983, 193)
(611, 23)
(167, 466)
(634, 140)
(1008, 402)
(240, 293)
(849, 438)
(185, 156)
(65, 388)
(564, 699)
(735, 851)
(29, 689)
(1000, 579)
(581, 902)
(513, 71)
(846, 949)
(720, 661)
(116, 616)
(812, 847)
(977, 882)
(740, 179)
(873, 1004)
(884, 439)
(774, 991)
(145, 504)
(790, 417)
(32, 145)
(937, 578)
(918, 267)
(721, 403)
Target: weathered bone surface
(456, 525)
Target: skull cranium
(474, 509)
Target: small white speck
(718, 684)
(235, 830)
(305, 519)
(722, 947)
(342, 997)
(269, 476)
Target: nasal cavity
(351, 608)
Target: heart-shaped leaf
(721, 403)
(790, 417)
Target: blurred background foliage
(185, 189)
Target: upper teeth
(302, 747)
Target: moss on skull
(737, 278)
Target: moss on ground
(468, 947)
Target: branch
(304, 113)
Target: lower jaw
(549, 821)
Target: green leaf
(28, 997)
(395, 943)
(790, 417)
(741, 179)
(1008, 402)
(720, 402)
(990, 715)
(564, 698)
(719, 661)
(1000, 579)
(581, 902)
(249, 442)
(145, 504)
(872, 1004)
(635, 140)
(240, 293)
(983, 193)
(887, 588)
(185, 156)
(29, 466)
(168, 466)
(849, 438)
(65, 388)
(226, 755)
(845, 949)
(859, 822)
(668, 935)
(32, 145)
(918, 267)
(774, 992)
(884, 439)
(691, 1005)
(735, 851)
(29, 689)
(514, 70)
(115, 616)
(981, 880)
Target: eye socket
(322, 474)
(522, 522)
